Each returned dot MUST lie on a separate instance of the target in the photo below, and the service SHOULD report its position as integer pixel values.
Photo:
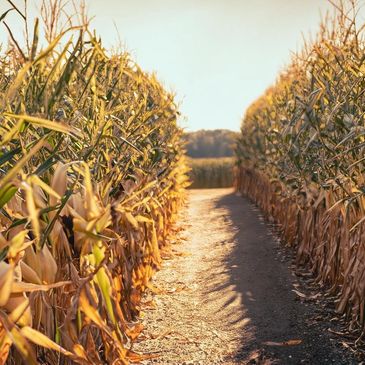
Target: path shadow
(261, 284)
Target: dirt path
(227, 295)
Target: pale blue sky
(217, 55)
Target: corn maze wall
(91, 177)
(208, 173)
(301, 158)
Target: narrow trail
(226, 295)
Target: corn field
(92, 175)
(207, 173)
(301, 158)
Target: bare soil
(229, 293)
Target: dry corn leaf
(284, 343)
(6, 282)
(21, 287)
(43, 341)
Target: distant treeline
(211, 143)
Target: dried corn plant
(92, 174)
(208, 173)
(301, 157)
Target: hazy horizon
(218, 57)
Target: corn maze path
(226, 295)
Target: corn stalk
(92, 174)
(301, 158)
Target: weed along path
(226, 295)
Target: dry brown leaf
(134, 357)
(6, 282)
(21, 287)
(284, 343)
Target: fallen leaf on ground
(134, 357)
(151, 304)
(337, 332)
(161, 335)
(177, 290)
(155, 290)
(182, 254)
(297, 292)
(302, 295)
(284, 343)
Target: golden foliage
(301, 158)
(91, 177)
